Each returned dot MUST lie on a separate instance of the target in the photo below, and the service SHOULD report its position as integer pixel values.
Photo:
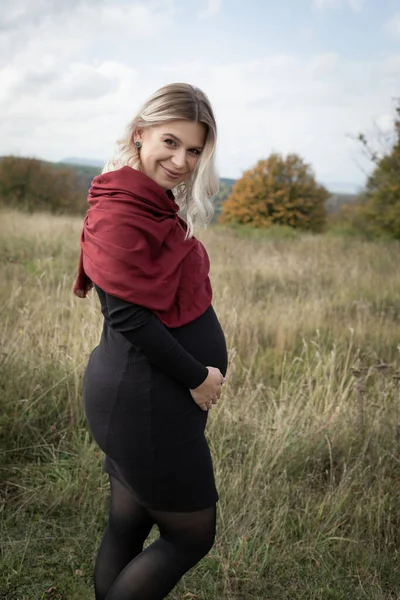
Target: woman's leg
(129, 524)
(185, 537)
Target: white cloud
(385, 123)
(82, 82)
(213, 7)
(69, 30)
(355, 5)
(322, 4)
(393, 26)
(22, 12)
(321, 64)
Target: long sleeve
(142, 328)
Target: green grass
(305, 439)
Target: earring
(138, 144)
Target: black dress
(139, 408)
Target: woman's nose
(179, 158)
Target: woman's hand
(208, 393)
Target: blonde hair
(172, 102)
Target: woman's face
(170, 151)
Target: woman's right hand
(208, 393)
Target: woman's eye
(195, 152)
(169, 142)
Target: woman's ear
(138, 135)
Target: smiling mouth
(172, 175)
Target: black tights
(124, 571)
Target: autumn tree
(376, 211)
(381, 203)
(277, 191)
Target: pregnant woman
(162, 357)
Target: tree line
(29, 184)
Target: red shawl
(133, 247)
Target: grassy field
(305, 439)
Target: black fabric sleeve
(142, 328)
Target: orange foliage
(277, 191)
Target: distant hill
(336, 201)
(88, 162)
(227, 181)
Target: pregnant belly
(205, 340)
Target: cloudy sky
(286, 76)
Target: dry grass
(306, 439)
